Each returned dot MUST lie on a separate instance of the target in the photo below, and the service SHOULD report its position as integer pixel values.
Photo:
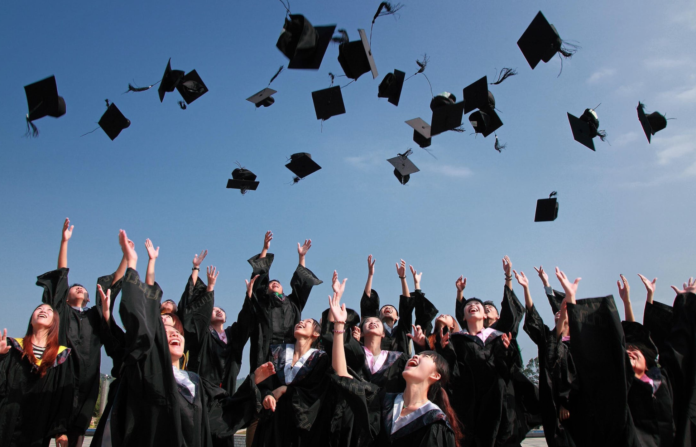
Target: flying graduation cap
(190, 86)
(651, 123)
(421, 132)
(328, 102)
(302, 165)
(403, 167)
(170, 80)
(264, 97)
(302, 43)
(243, 179)
(586, 128)
(477, 96)
(43, 100)
(356, 57)
(393, 83)
(541, 42)
(447, 113)
(547, 209)
(113, 122)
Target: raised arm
(338, 310)
(649, 287)
(459, 304)
(370, 275)
(524, 282)
(625, 294)
(569, 287)
(152, 253)
(197, 260)
(401, 271)
(63, 252)
(507, 268)
(302, 251)
(266, 244)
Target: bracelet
(338, 332)
(508, 277)
(196, 268)
(339, 322)
(402, 277)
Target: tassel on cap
(504, 74)
(343, 38)
(32, 130)
(182, 105)
(498, 146)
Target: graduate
(157, 403)
(36, 384)
(420, 416)
(557, 377)
(82, 328)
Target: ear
(436, 376)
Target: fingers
(4, 334)
(675, 290)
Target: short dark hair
(390, 305)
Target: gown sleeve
(261, 267)
(301, 283)
(511, 313)
(364, 399)
(228, 414)
(403, 328)
(197, 319)
(55, 289)
(369, 305)
(657, 318)
(534, 327)
(459, 312)
(439, 435)
(425, 312)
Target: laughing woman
(420, 416)
(35, 385)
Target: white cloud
(626, 139)
(676, 148)
(601, 74)
(452, 171)
(688, 95)
(668, 63)
(364, 162)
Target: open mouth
(175, 342)
(412, 363)
(42, 315)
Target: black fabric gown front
(33, 409)
(211, 358)
(82, 330)
(373, 408)
(275, 317)
(150, 409)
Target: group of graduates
(374, 378)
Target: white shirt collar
(485, 334)
(183, 379)
(221, 335)
(399, 422)
(291, 371)
(375, 363)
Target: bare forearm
(628, 310)
(368, 286)
(120, 271)
(338, 360)
(460, 295)
(150, 275)
(302, 261)
(63, 255)
(404, 288)
(649, 298)
(528, 298)
(263, 253)
(194, 275)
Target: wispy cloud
(601, 74)
(625, 139)
(364, 162)
(676, 147)
(685, 14)
(668, 63)
(452, 171)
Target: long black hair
(438, 394)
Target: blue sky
(626, 208)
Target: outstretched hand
(267, 240)
(542, 274)
(416, 276)
(263, 372)
(624, 289)
(521, 279)
(152, 252)
(67, 230)
(689, 287)
(460, 283)
(401, 269)
(356, 333)
(444, 338)
(338, 310)
(569, 288)
(269, 403)
(250, 285)
(4, 345)
(507, 266)
(198, 259)
(105, 302)
(507, 338)
(649, 285)
(418, 336)
(304, 248)
(371, 265)
(212, 277)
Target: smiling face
(168, 307)
(167, 320)
(372, 326)
(306, 329)
(474, 311)
(275, 287)
(42, 317)
(445, 321)
(491, 313)
(421, 369)
(77, 296)
(218, 316)
(176, 343)
(637, 361)
(389, 312)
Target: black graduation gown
(274, 319)
(679, 359)
(651, 410)
(149, 408)
(373, 408)
(557, 380)
(33, 409)
(481, 388)
(389, 376)
(299, 418)
(601, 415)
(82, 331)
(394, 339)
(657, 319)
(210, 357)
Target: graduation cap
(403, 167)
(421, 132)
(301, 164)
(328, 102)
(113, 121)
(447, 113)
(191, 87)
(477, 96)
(304, 44)
(586, 128)
(637, 335)
(391, 86)
(547, 209)
(43, 100)
(264, 97)
(170, 80)
(541, 41)
(243, 179)
(356, 57)
(652, 123)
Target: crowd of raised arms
(373, 378)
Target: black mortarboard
(243, 179)
(652, 123)
(485, 122)
(391, 86)
(170, 80)
(403, 167)
(477, 96)
(421, 132)
(113, 121)
(303, 43)
(356, 57)
(328, 102)
(547, 209)
(586, 128)
(191, 87)
(447, 113)
(540, 41)
(263, 98)
(301, 164)
(43, 100)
